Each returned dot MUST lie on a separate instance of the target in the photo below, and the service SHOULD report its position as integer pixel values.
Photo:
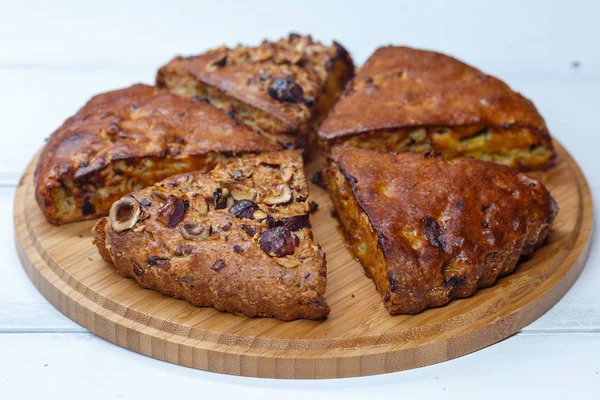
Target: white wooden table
(55, 55)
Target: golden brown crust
(244, 79)
(204, 237)
(441, 230)
(127, 139)
(402, 89)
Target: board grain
(358, 338)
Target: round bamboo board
(358, 338)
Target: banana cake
(282, 88)
(127, 139)
(405, 99)
(427, 230)
(236, 238)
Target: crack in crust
(127, 139)
(428, 231)
(250, 257)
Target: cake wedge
(427, 230)
(236, 238)
(127, 139)
(406, 99)
(281, 88)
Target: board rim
(306, 361)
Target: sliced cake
(284, 88)
(127, 139)
(236, 238)
(405, 99)
(427, 230)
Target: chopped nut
(200, 205)
(285, 90)
(259, 214)
(160, 196)
(125, 213)
(284, 196)
(195, 231)
(287, 174)
(243, 193)
(287, 263)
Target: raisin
(220, 197)
(314, 206)
(249, 229)
(137, 270)
(172, 212)
(237, 248)
(294, 223)
(145, 203)
(218, 265)
(221, 62)
(285, 90)
(434, 233)
(226, 227)
(87, 208)
(278, 241)
(243, 209)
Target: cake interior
(515, 147)
(303, 137)
(360, 235)
(91, 195)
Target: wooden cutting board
(358, 338)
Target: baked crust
(427, 230)
(461, 111)
(124, 140)
(204, 237)
(241, 80)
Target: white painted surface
(55, 55)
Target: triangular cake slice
(283, 88)
(127, 139)
(236, 238)
(405, 99)
(427, 230)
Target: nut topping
(243, 209)
(278, 242)
(172, 212)
(285, 90)
(259, 214)
(220, 195)
(125, 213)
(200, 205)
(160, 196)
(284, 197)
(287, 174)
(287, 263)
(243, 193)
(195, 231)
